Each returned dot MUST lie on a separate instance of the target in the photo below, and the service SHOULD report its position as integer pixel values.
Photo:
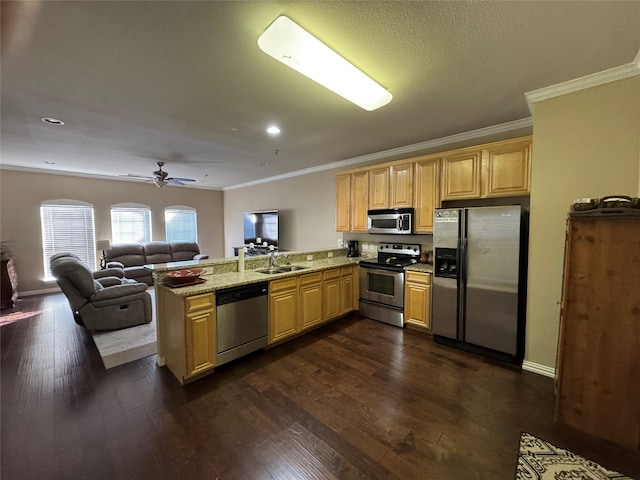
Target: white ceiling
(184, 81)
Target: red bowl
(188, 273)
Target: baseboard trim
(539, 369)
(44, 291)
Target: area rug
(127, 345)
(539, 460)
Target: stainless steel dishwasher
(242, 320)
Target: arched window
(67, 226)
(130, 223)
(181, 223)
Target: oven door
(382, 286)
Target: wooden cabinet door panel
(418, 299)
(359, 201)
(401, 184)
(379, 188)
(427, 193)
(283, 314)
(200, 342)
(461, 175)
(346, 292)
(331, 291)
(508, 169)
(310, 305)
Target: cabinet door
(401, 186)
(310, 300)
(200, 341)
(508, 166)
(359, 201)
(343, 199)
(417, 299)
(346, 290)
(379, 187)
(461, 175)
(331, 293)
(427, 193)
(283, 314)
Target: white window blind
(130, 224)
(181, 224)
(67, 226)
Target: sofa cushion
(181, 251)
(128, 254)
(157, 252)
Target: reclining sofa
(106, 301)
(132, 257)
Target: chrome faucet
(274, 259)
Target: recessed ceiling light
(263, 164)
(52, 121)
(273, 130)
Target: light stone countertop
(420, 267)
(226, 279)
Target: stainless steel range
(382, 282)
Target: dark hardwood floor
(355, 399)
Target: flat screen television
(262, 225)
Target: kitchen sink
(291, 268)
(270, 270)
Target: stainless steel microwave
(396, 221)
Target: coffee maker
(352, 248)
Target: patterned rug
(539, 460)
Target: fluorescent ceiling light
(290, 44)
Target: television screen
(262, 225)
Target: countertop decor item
(182, 278)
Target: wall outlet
(330, 254)
(309, 258)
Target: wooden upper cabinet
(401, 185)
(427, 193)
(343, 202)
(379, 187)
(359, 201)
(461, 175)
(508, 166)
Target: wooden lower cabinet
(347, 290)
(189, 338)
(331, 294)
(417, 300)
(283, 309)
(310, 300)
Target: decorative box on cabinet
(598, 363)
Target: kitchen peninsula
(319, 287)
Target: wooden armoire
(598, 364)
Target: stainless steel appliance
(241, 320)
(392, 220)
(352, 248)
(479, 284)
(382, 282)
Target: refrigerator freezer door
(493, 254)
(445, 293)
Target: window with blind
(181, 224)
(130, 223)
(67, 226)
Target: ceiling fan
(161, 178)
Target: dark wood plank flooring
(356, 399)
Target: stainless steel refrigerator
(479, 280)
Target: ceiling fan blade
(183, 179)
(173, 181)
(133, 175)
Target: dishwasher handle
(243, 292)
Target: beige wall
(21, 194)
(306, 206)
(585, 144)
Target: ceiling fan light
(290, 44)
(159, 182)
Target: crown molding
(600, 78)
(408, 149)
